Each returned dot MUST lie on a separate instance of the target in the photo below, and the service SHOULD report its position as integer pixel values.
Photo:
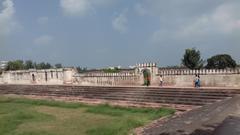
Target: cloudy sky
(100, 33)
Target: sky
(102, 33)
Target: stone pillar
(6, 77)
(68, 75)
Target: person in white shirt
(161, 80)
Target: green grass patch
(20, 116)
(40, 102)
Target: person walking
(198, 81)
(195, 81)
(161, 80)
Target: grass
(20, 116)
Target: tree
(15, 65)
(192, 59)
(147, 76)
(20, 65)
(111, 70)
(28, 64)
(40, 65)
(35, 65)
(43, 65)
(58, 65)
(221, 61)
(48, 66)
(81, 70)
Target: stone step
(110, 89)
(129, 94)
(125, 97)
(203, 96)
(123, 88)
(207, 95)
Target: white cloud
(82, 7)
(43, 40)
(75, 7)
(7, 23)
(227, 17)
(223, 19)
(119, 23)
(43, 20)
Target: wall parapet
(105, 75)
(169, 72)
(107, 79)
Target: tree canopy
(21, 65)
(15, 65)
(192, 59)
(111, 70)
(58, 65)
(81, 70)
(221, 61)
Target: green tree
(43, 65)
(221, 61)
(28, 64)
(15, 65)
(40, 65)
(147, 76)
(81, 70)
(192, 59)
(48, 66)
(110, 70)
(58, 65)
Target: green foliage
(221, 61)
(29, 64)
(81, 70)
(147, 76)
(58, 65)
(110, 70)
(13, 115)
(120, 111)
(43, 65)
(192, 59)
(20, 116)
(40, 102)
(21, 65)
(15, 65)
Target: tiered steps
(187, 96)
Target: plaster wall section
(208, 77)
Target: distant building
(3, 64)
(132, 67)
(118, 67)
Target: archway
(146, 77)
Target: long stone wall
(129, 77)
(108, 79)
(208, 77)
(49, 76)
(169, 72)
